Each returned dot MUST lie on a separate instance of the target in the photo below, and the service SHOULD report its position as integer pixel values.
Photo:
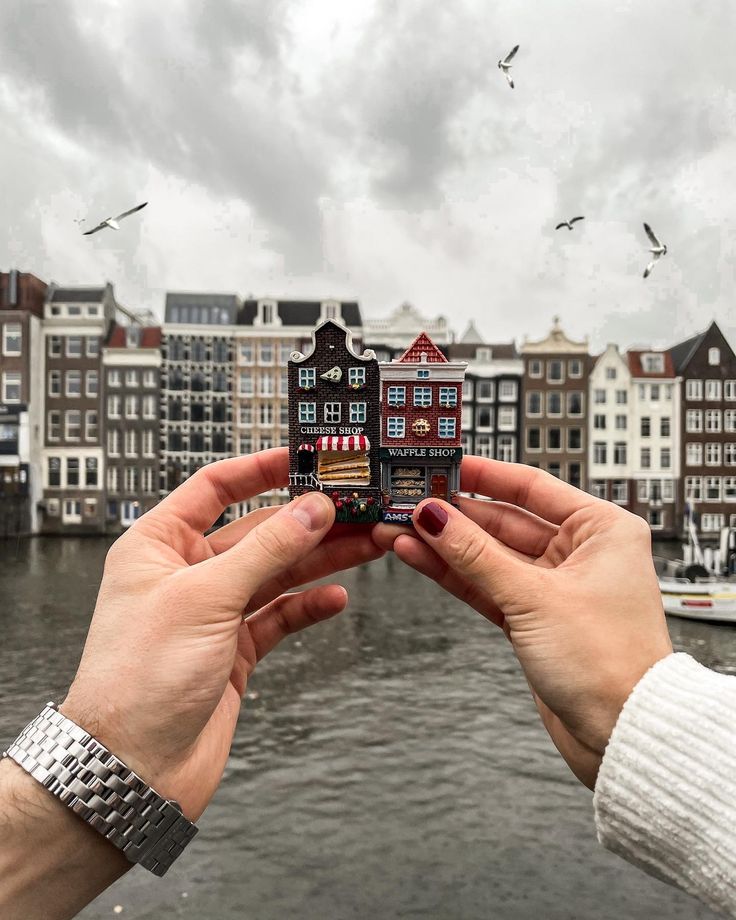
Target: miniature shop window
(307, 377)
(423, 397)
(396, 396)
(356, 377)
(333, 412)
(395, 427)
(448, 397)
(343, 460)
(447, 427)
(307, 413)
(358, 413)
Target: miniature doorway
(305, 459)
(438, 485)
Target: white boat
(701, 585)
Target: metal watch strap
(112, 798)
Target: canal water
(391, 766)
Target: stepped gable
(423, 349)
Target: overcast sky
(372, 150)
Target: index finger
(525, 486)
(200, 500)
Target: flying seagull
(505, 65)
(568, 223)
(112, 222)
(658, 250)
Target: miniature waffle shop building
(377, 438)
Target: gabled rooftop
(422, 349)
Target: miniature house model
(377, 438)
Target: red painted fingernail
(432, 518)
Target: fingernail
(311, 511)
(432, 518)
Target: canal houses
(421, 410)
(334, 424)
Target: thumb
(469, 551)
(275, 544)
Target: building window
(356, 376)
(598, 488)
(53, 423)
(90, 425)
(131, 407)
(574, 476)
(484, 417)
(621, 423)
(554, 469)
(599, 397)
(712, 488)
(113, 442)
(284, 415)
(729, 488)
(600, 452)
(54, 472)
(245, 414)
(131, 479)
(654, 392)
(395, 426)
(693, 454)
(664, 426)
(575, 403)
(130, 443)
(149, 379)
(396, 396)
(147, 480)
(484, 445)
(92, 383)
(112, 479)
(654, 516)
(729, 390)
(576, 368)
(245, 444)
(246, 352)
(646, 427)
(54, 346)
(535, 368)
(265, 415)
(11, 387)
(147, 445)
(712, 389)
(694, 420)
(693, 488)
(534, 404)
(90, 472)
(358, 413)
(620, 491)
(422, 374)
(12, 339)
(284, 382)
(267, 384)
(693, 389)
(448, 397)
(113, 406)
(423, 397)
(622, 397)
(713, 453)
(645, 458)
(131, 378)
(554, 404)
(506, 418)
(554, 439)
(574, 439)
(610, 373)
(92, 346)
(113, 378)
(653, 363)
(713, 420)
(73, 383)
(72, 471)
(714, 356)
(245, 383)
(533, 439)
(711, 523)
(307, 377)
(619, 453)
(266, 353)
(507, 390)
(447, 427)
(599, 422)
(74, 346)
(485, 390)
(149, 407)
(554, 371)
(333, 412)
(665, 458)
(307, 414)
(729, 420)
(505, 449)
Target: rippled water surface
(392, 765)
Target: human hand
(182, 618)
(569, 578)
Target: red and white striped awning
(309, 447)
(347, 442)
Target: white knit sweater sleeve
(665, 798)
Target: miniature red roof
(637, 369)
(423, 349)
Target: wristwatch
(102, 790)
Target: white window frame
(69, 352)
(507, 391)
(693, 453)
(68, 427)
(713, 390)
(307, 413)
(536, 368)
(447, 427)
(713, 452)
(422, 397)
(694, 421)
(395, 395)
(307, 377)
(356, 376)
(358, 413)
(11, 379)
(8, 335)
(332, 413)
(72, 375)
(395, 426)
(693, 389)
(448, 397)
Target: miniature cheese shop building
(334, 424)
(421, 408)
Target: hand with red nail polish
(568, 577)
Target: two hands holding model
(182, 619)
